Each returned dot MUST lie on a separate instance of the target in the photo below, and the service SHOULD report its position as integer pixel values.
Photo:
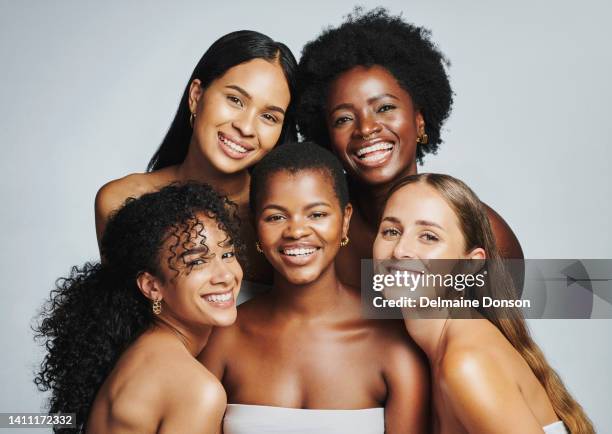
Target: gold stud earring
(344, 242)
(258, 247)
(191, 118)
(422, 138)
(156, 306)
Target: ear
(420, 123)
(195, 93)
(149, 285)
(348, 212)
(477, 253)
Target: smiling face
(205, 289)
(419, 224)
(300, 224)
(373, 125)
(239, 116)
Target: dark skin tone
(305, 344)
(374, 127)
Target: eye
(385, 108)
(318, 214)
(235, 100)
(196, 262)
(274, 218)
(342, 120)
(391, 232)
(270, 118)
(429, 237)
(228, 255)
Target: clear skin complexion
(305, 344)
(243, 109)
(365, 107)
(157, 386)
(480, 383)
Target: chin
(225, 320)
(302, 278)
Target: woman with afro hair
(375, 91)
(121, 336)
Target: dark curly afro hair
(374, 38)
(97, 311)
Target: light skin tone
(367, 107)
(305, 344)
(480, 383)
(238, 119)
(157, 386)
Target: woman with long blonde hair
(488, 375)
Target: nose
(245, 123)
(295, 228)
(221, 274)
(404, 249)
(368, 126)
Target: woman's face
(239, 116)
(300, 224)
(206, 287)
(419, 224)
(373, 125)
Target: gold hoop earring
(344, 242)
(156, 306)
(423, 139)
(258, 247)
(191, 118)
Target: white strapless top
(263, 419)
(555, 428)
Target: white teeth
(374, 148)
(299, 251)
(235, 146)
(219, 298)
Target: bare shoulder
(507, 242)
(112, 195)
(401, 355)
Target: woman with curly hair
(121, 336)
(235, 109)
(375, 91)
(488, 375)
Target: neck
(196, 167)
(194, 339)
(370, 199)
(429, 334)
(307, 300)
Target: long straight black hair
(226, 52)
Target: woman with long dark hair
(375, 91)
(235, 108)
(488, 375)
(301, 358)
(122, 335)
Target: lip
(300, 259)
(220, 304)
(384, 158)
(229, 151)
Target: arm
(507, 243)
(483, 397)
(408, 389)
(108, 199)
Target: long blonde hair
(476, 229)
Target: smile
(233, 149)
(299, 251)
(375, 154)
(298, 255)
(224, 299)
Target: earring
(156, 306)
(344, 242)
(258, 247)
(422, 139)
(191, 118)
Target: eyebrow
(194, 251)
(370, 100)
(247, 95)
(282, 208)
(428, 223)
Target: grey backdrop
(88, 89)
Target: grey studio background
(88, 90)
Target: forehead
(420, 201)
(363, 82)
(300, 188)
(196, 232)
(262, 79)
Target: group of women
(150, 339)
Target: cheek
(269, 136)
(268, 234)
(382, 249)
